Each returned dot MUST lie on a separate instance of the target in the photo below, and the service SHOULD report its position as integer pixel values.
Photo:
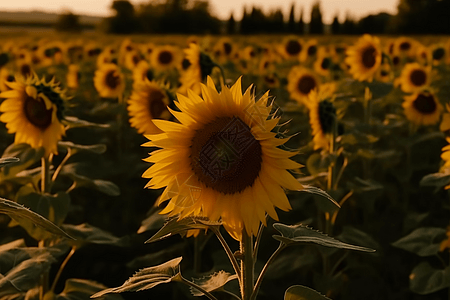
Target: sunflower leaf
(174, 226)
(22, 214)
(8, 160)
(438, 180)
(26, 156)
(423, 241)
(82, 289)
(300, 292)
(88, 234)
(424, 279)
(74, 122)
(97, 148)
(316, 191)
(212, 282)
(301, 234)
(148, 278)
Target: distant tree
(374, 24)
(301, 23)
(68, 22)
(231, 25)
(336, 26)
(291, 22)
(124, 21)
(275, 22)
(244, 27)
(349, 25)
(316, 24)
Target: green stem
(230, 254)
(197, 255)
(247, 266)
(61, 165)
(43, 288)
(190, 283)
(258, 240)
(264, 270)
(45, 175)
(61, 268)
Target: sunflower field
(256, 167)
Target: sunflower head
(291, 48)
(33, 110)
(164, 57)
(222, 160)
(301, 82)
(422, 108)
(364, 58)
(109, 81)
(414, 78)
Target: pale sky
(221, 8)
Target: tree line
(194, 17)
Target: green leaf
(26, 274)
(424, 279)
(356, 138)
(379, 89)
(153, 221)
(212, 282)
(26, 155)
(23, 215)
(103, 186)
(438, 180)
(423, 241)
(300, 292)
(148, 278)
(88, 234)
(316, 191)
(352, 235)
(363, 186)
(98, 148)
(174, 226)
(82, 289)
(315, 164)
(74, 122)
(301, 234)
(8, 160)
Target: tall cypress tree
(336, 26)
(316, 24)
(291, 22)
(301, 23)
(231, 25)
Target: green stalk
(247, 266)
(230, 254)
(45, 175)
(190, 283)
(61, 268)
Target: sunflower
(33, 109)
(423, 55)
(309, 51)
(364, 58)
(25, 70)
(200, 66)
(301, 81)
(405, 46)
(5, 77)
(414, 78)
(445, 123)
(248, 53)
(148, 101)
(222, 161)
(132, 59)
(224, 49)
(109, 81)
(164, 58)
(438, 54)
(291, 47)
(142, 72)
(323, 63)
(322, 117)
(271, 80)
(422, 108)
(445, 244)
(73, 76)
(384, 73)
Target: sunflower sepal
(175, 226)
(302, 234)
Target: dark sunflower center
(36, 112)
(227, 48)
(136, 59)
(312, 50)
(426, 104)
(405, 46)
(206, 65)
(326, 62)
(148, 74)
(391, 49)
(265, 65)
(94, 52)
(10, 78)
(306, 84)
(368, 57)
(418, 77)
(438, 53)
(252, 53)
(269, 79)
(112, 80)
(165, 57)
(157, 105)
(327, 116)
(185, 63)
(25, 70)
(225, 155)
(293, 47)
(384, 73)
(129, 48)
(396, 60)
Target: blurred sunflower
(414, 78)
(322, 117)
(223, 50)
(248, 53)
(33, 110)
(208, 171)
(364, 58)
(405, 46)
(445, 244)
(271, 80)
(147, 49)
(384, 73)
(148, 101)
(109, 81)
(164, 58)
(142, 72)
(422, 108)
(309, 50)
(132, 59)
(5, 77)
(423, 55)
(323, 63)
(73, 76)
(291, 47)
(200, 66)
(301, 81)
(25, 70)
(438, 54)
